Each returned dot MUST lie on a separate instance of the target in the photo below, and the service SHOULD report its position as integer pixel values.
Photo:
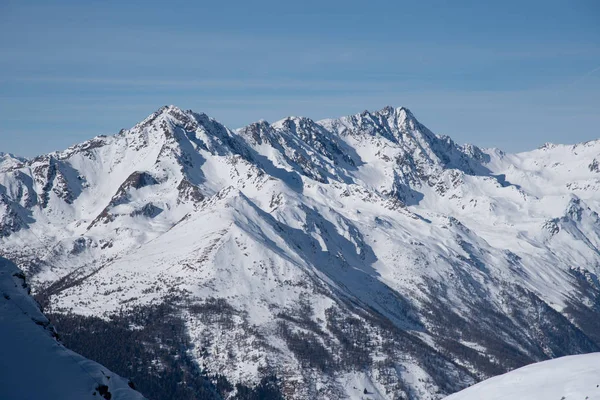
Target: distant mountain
(572, 377)
(359, 257)
(8, 160)
(35, 365)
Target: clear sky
(508, 74)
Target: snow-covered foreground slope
(344, 255)
(34, 365)
(566, 378)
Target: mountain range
(358, 257)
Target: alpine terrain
(363, 257)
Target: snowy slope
(356, 253)
(572, 377)
(34, 364)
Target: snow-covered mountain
(572, 377)
(8, 160)
(359, 257)
(34, 365)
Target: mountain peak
(396, 124)
(8, 160)
(389, 110)
(168, 107)
(293, 121)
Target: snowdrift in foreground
(33, 364)
(572, 377)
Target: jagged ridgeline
(359, 257)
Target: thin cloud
(237, 84)
(584, 77)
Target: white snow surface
(567, 378)
(34, 365)
(370, 214)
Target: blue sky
(510, 74)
